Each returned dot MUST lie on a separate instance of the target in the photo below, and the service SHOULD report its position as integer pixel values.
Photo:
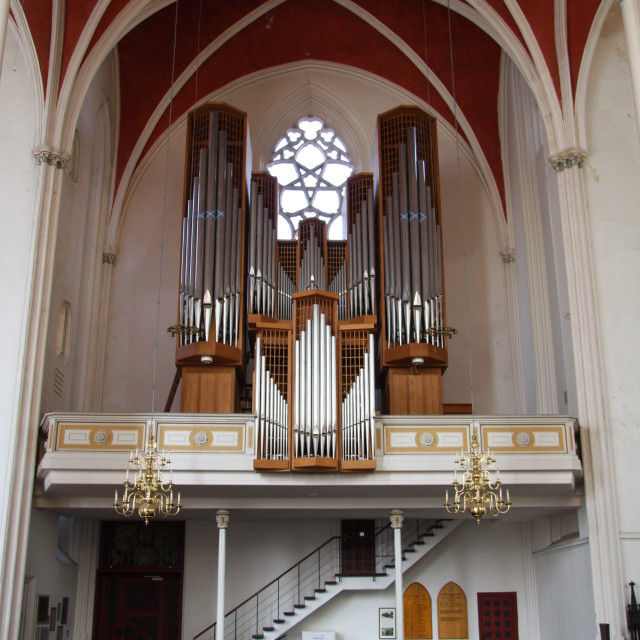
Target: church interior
(320, 319)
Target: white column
(86, 542)
(596, 437)
(631, 20)
(396, 518)
(4, 15)
(222, 518)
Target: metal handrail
(308, 576)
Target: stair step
(289, 613)
(330, 582)
(280, 620)
(268, 629)
(320, 590)
(257, 636)
(309, 598)
(299, 606)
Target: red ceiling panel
(40, 20)
(580, 17)
(77, 13)
(299, 30)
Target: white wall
(553, 583)
(565, 596)
(613, 193)
(128, 378)
(80, 239)
(465, 202)
(53, 578)
(257, 552)
(501, 566)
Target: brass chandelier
(476, 492)
(148, 492)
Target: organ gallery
(319, 333)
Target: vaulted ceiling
(445, 53)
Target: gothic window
(311, 165)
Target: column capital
(568, 158)
(508, 255)
(222, 518)
(396, 518)
(49, 155)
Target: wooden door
(498, 616)
(135, 606)
(358, 547)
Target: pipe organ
(210, 313)
(414, 345)
(327, 321)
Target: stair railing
(293, 588)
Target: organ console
(322, 323)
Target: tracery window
(311, 165)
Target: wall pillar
(396, 518)
(4, 16)
(595, 432)
(631, 21)
(86, 541)
(222, 518)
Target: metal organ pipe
(362, 272)
(315, 378)
(358, 410)
(211, 247)
(271, 409)
(413, 267)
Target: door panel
(138, 607)
(498, 616)
(358, 547)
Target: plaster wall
(613, 191)
(135, 276)
(563, 581)
(53, 578)
(257, 552)
(129, 364)
(80, 238)
(503, 565)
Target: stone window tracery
(311, 165)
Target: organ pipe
(211, 247)
(413, 277)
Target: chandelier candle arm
(147, 492)
(477, 492)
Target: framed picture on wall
(65, 610)
(387, 623)
(42, 611)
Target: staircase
(309, 584)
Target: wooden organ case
(412, 305)
(314, 381)
(327, 321)
(209, 347)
